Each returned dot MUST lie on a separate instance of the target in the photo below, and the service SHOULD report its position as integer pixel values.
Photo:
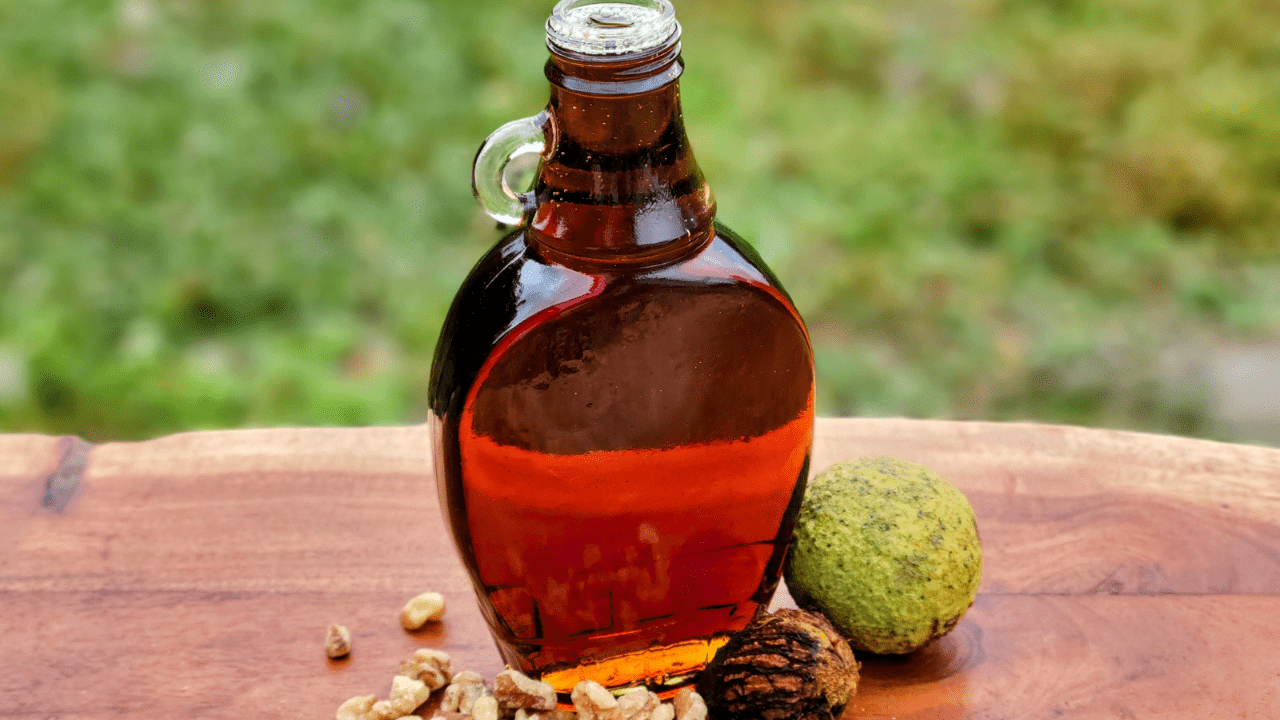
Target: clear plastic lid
(591, 27)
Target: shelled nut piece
(462, 693)
(486, 708)
(639, 705)
(381, 710)
(357, 708)
(593, 702)
(515, 691)
(407, 694)
(689, 705)
(337, 642)
(429, 666)
(425, 608)
(405, 697)
(425, 671)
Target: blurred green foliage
(229, 213)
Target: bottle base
(680, 665)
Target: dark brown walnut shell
(791, 665)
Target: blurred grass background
(222, 213)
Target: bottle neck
(619, 183)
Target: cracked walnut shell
(791, 665)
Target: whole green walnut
(888, 550)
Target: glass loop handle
(489, 174)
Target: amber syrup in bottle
(622, 394)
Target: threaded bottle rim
(616, 27)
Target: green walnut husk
(888, 550)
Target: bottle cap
(618, 27)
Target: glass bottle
(622, 394)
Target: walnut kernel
(429, 666)
(689, 705)
(462, 693)
(468, 676)
(337, 642)
(514, 691)
(355, 708)
(637, 704)
(593, 702)
(382, 710)
(486, 708)
(407, 694)
(425, 608)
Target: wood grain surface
(1126, 575)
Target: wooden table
(193, 576)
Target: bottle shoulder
(515, 280)
(515, 291)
